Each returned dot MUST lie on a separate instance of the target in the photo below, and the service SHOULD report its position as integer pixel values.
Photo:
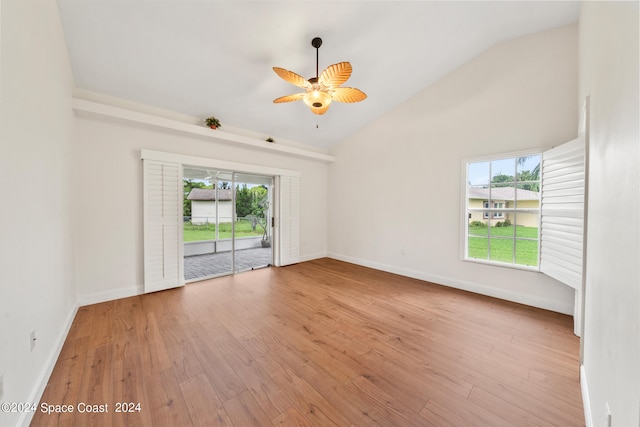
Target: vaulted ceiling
(202, 58)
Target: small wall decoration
(212, 122)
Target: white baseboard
(109, 295)
(311, 257)
(113, 294)
(586, 402)
(478, 288)
(43, 378)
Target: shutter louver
(562, 210)
(289, 220)
(162, 222)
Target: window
(503, 210)
(541, 198)
(496, 205)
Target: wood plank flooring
(321, 343)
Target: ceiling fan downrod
(317, 42)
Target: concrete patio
(215, 264)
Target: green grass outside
(530, 232)
(526, 251)
(194, 233)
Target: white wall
(110, 239)
(609, 75)
(37, 153)
(395, 187)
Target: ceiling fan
(321, 90)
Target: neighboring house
(203, 205)
(504, 197)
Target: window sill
(535, 269)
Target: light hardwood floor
(321, 343)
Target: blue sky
(478, 173)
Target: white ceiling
(202, 58)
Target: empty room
(319, 213)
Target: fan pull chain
(317, 119)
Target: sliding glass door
(253, 227)
(227, 222)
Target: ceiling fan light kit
(317, 99)
(321, 90)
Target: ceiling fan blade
(348, 94)
(291, 77)
(336, 74)
(320, 111)
(289, 98)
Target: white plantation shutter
(162, 225)
(562, 210)
(289, 220)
